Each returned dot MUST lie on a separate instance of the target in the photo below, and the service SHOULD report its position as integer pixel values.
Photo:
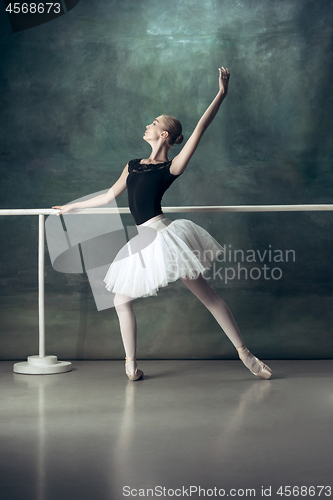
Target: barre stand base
(46, 365)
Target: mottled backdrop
(76, 94)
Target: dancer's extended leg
(224, 317)
(128, 327)
(217, 307)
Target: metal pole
(41, 259)
(41, 364)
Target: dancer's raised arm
(103, 199)
(180, 162)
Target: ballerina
(165, 250)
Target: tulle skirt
(162, 252)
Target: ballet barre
(42, 364)
(173, 210)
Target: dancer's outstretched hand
(64, 208)
(224, 79)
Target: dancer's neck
(159, 153)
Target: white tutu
(162, 252)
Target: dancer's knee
(122, 302)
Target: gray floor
(89, 433)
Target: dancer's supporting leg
(225, 319)
(128, 327)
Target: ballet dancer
(179, 249)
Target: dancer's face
(154, 130)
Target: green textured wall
(76, 94)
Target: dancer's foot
(257, 367)
(132, 371)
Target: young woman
(165, 250)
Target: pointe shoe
(264, 370)
(133, 375)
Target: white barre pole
(41, 251)
(41, 364)
(203, 209)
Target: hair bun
(179, 139)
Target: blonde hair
(174, 127)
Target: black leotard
(146, 184)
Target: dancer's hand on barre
(223, 80)
(65, 208)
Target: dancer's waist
(152, 220)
